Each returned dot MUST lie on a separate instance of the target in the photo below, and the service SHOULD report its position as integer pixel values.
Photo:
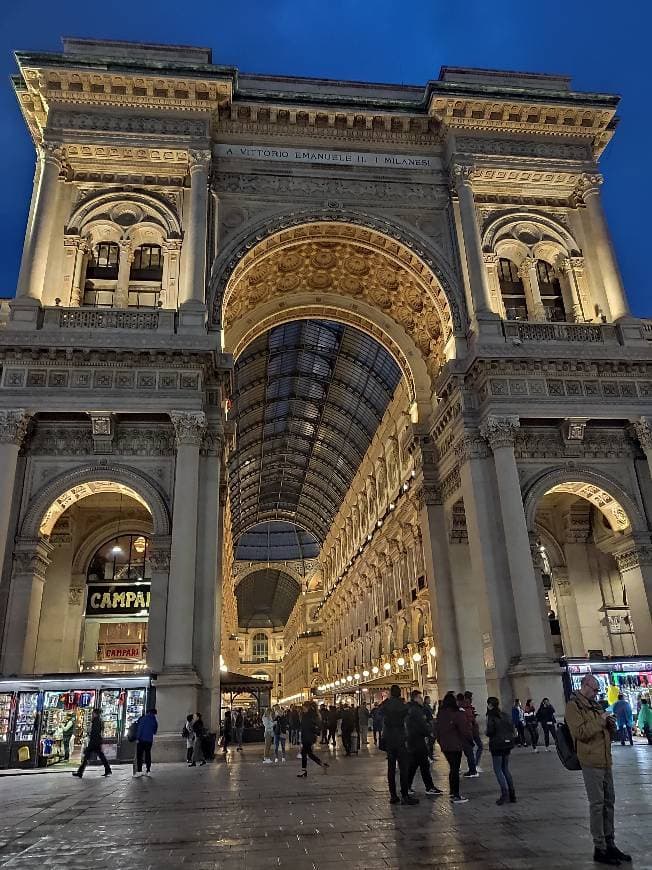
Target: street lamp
(433, 652)
(365, 673)
(374, 670)
(400, 661)
(416, 657)
(356, 676)
(349, 679)
(387, 666)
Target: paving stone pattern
(245, 815)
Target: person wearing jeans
(281, 726)
(592, 730)
(546, 718)
(475, 729)
(268, 725)
(147, 728)
(468, 749)
(454, 735)
(500, 732)
(624, 720)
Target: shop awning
(232, 682)
(405, 680)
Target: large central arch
(367, 273)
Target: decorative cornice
(13, 425)
(641, 557)
(189, 427)
(500, 431)
(643, 430)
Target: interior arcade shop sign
(118, 599)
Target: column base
(192, 317)
(24, 313)
(176, 696)
(488, 326)
(537, 677)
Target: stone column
(463, 177)
(159, 560)
(31, 560)
(40, 232)
(490, 590)
(569, 622)
(208, 589)
(534, 670)
(634, 562)
(51, 645)
(589, 190)
(13, 427)
(121, 295)
(77, 290)
(195, 230)
(440, 588)
(576, 301)
(170, 283)
(528, 272)
(491, 266)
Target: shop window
(512, 290)
(117, 605)
(260, 647)
(550, 291)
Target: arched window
(101, 275)
(260, 647)
(118, 582)
(145, 277)
(550, 290)
(512, 290)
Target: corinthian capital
(471, 446)
(189, 427)
(643, 431)
(462, 174)
(13, 425)
(500, 431)
(200, 159)
(587, 184)
(53, 151)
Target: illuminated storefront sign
(119, 599)
(120, 651)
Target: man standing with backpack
(592, 729)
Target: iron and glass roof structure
(277, 542)
(266, 598)
(309, 396)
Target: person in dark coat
(197, 748)
(94, 746)
(394, 711)
(310, 729)
(377, 722)
(429, 713)
(417, 732)
(323, 719)
(227, 732)
(502, 738)
(333, 716)
(348, 726)
(453, 735)
(295, 724)
(147, 728)
(546, 718)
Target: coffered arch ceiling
(356, 263)
(309, 396)
(266, 598)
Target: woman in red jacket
(453, 734)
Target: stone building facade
(426, 272)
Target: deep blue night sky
(602, 45)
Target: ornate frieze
(500, 431)
(189, 427)
(129, 123)
(76, 596)
(32, 557)
(630, 560)
(524, 148)
(471, 445)
(13, 425)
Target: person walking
(417, 731)
(377, 722)
(394, 713)
(94, 746)
(475, 729)
(323, 721)
(268, 733)
(147, 728)
(468, 749)
(239, 729)
(624, 719)
(189, 734)
(531, 724)
(295, 724)
(333, 716)
(348, 725)
(227, 731)
(429, 713)
(518, 720)
(363, 723)
(310, 729)
(197, 748)
(281, 727)
(500, 731)
(644, 721)
(546, 718)
(592, 730)
(453, 735)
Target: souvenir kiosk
(44, 720)
(631, 675)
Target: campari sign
(118, 599)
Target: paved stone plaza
(246, 815)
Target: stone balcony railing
(575, 333)
(108, 318)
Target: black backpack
(566, 747)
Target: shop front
(45, 720)
(629, 675)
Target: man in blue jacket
(147, 728)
